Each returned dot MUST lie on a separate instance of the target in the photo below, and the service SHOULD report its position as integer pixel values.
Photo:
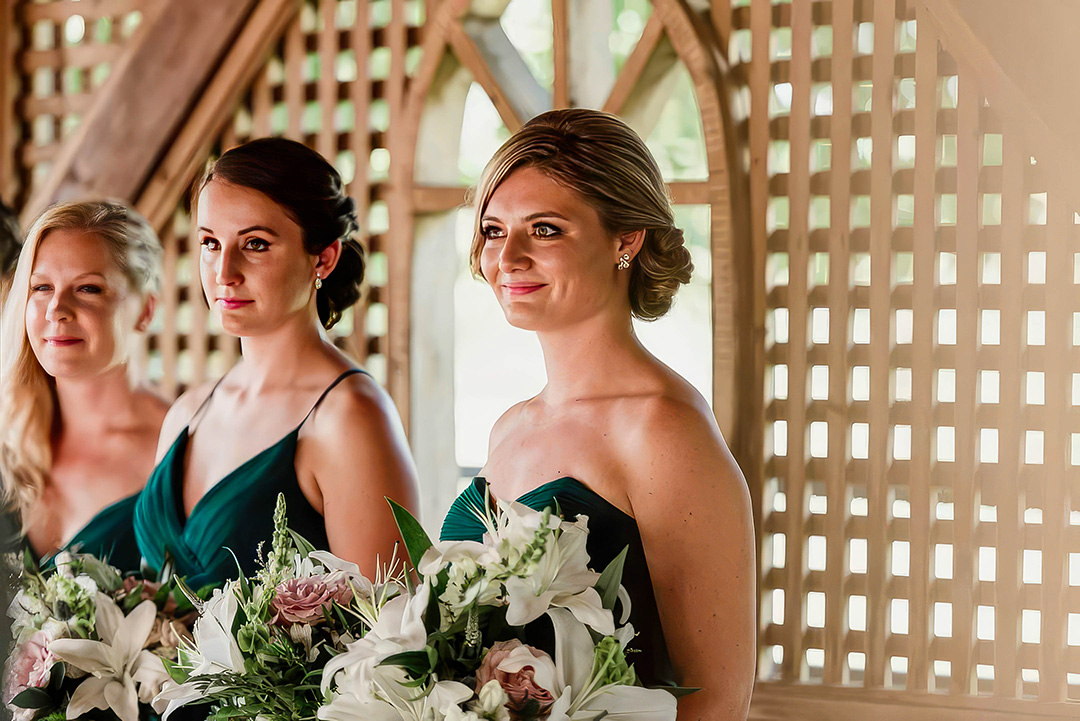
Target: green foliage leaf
(610, 579)
(33, 698)
(56, 677)
(416, 538)
(303, 546)
(416, 663)
(176, 673)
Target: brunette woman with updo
(279, 265)
(575, 235)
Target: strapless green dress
(235, 516)
(610, 530)
(109, 536)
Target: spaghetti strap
(343, 376)
(202, 406)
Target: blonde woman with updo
(575, 235)
(77, 434)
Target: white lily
(395, 699)
(117, 662)
(214, 651)
(399, 627)
(581, 696)
(366, 691)
(561, 579)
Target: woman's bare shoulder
(179, 415)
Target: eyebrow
(534, 216)
(244, 231)
(90, 274)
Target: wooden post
(8, 40)
(922, 362)
(839, 310)
(881, 220)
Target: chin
(531, 320)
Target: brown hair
(601, 158)
(310, 190)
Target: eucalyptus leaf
(33, 698)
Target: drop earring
(318, 283)
(624, 261)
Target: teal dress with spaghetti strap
(109, 536)
(234, 517)
(610, 531)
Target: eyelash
(92, 289)
(491, 232)
(212, 244)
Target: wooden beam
(215, 108)
(471, 57)
(436, 199)
(635, 65)
(136, 115)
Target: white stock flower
(117, 663)
(472, 579)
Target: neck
(93, 405)
(591, 358)
(273, 358)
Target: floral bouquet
(310, 637)
(90, 643)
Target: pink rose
(520, 685)
(30, 666)
(302, 600)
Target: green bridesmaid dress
(236, 515)
(109, 536)
(610, 530)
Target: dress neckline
(181, 472)
(544, 486)
(177, 492)
(41, 558)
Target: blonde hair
(27, 392)
(607, 163)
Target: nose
(59, 309)
(514, 254)
(227, 267)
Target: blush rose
(302, 600)
(523, 672)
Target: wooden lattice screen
(920, 515)
(62, 52)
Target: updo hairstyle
(310, 191)
(601, 158)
